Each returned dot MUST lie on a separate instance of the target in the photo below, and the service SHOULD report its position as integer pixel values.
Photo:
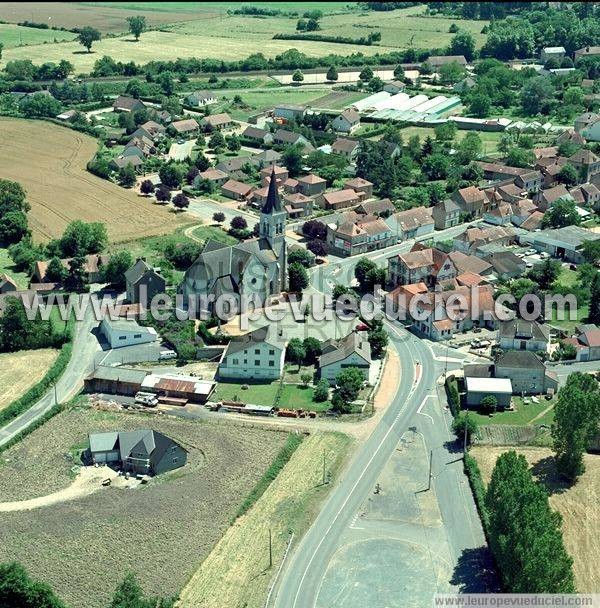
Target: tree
(488, 404)
(312, 346)
(301, 256)
(366, 74)
(399, 72)
(317, 247)
(375, 84)
(321, 392)
(463, 423)
(348, 384)
(332, 74)
(590, 250)
(130, 595)
(76, 279)
(594, 301)
(576, 418)
(216, 141)
(81, 238)
(117, 265)
(171, 175)
(295, 352)
(297, 277)
(233, 143)
(314, 229)
(378, 339)
(292, 159)
(524, 533)
(87, 36)
(297, 76)
(520, 157)
(181, 201)
(146, 187)
(568, 175)
(537, 95)
(40, 106)
(563, 212)
(480, 105)
(361, 272)
(238, 223)
(13, 227)
(462, 43)
(127, 176)
(445, 131)
(17, 589)
(163, 194)
(137, 25)
(545, 273)
(451, 73)
(166, 83)
(56, 272)
(218, 217)
(306, 377)
(436, 166)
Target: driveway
(181, 151)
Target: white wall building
(125, 332)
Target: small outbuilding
(480, 388)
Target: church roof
(273, 202)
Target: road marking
(364, 470)
(419, 411)
(353, 525)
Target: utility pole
(465, 437)
(270, 550)
(55, 397)
(430, 467)
(323, 467)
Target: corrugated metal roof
(489, 385)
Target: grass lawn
(568, 324)
(522, 414)
(7, 267)
(13, 35)
(567, 277)
(214, 233)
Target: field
(524, 413)
(20, 371)
(232, 37)
(161, 531)
(7, 267)
(579, 506)
(49, 161)
(237, 572)
(14, 35)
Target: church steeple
(273, 202)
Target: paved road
(399, 546)
(85, 346)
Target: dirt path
(88, 481)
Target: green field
(523, 414)
(14, 35)
(231, 37)
(6, 267)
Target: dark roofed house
(123, 103)
(446, 214)
(282, 137)
(122, 161)
(339, 199)
(236, 190)
(143, 282)
(217, 121)
(346, 147)
(437, 61)
(352, 351)
(184, 127)
(347, 121)
(144, 452)
(506, 264)
(7, 284)
(201, 98)
(383, 207)
(524, 335)
(526, 371)
(311, 184)
(256, 134)
(266, 158)
(358, 184)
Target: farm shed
(189, 388)
(479, 388)
(126, 333)
(115, 380)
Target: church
(256, 267)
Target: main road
(401, 524)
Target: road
(68, 385)
(384, 537)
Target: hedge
(452, 395)
(478, 488)
(36, 392)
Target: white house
(257, 355)
(201, 98)
(524, 335)
(592, 131)
(552, 52)
(125, 332)
(352, 351)
(347, 121)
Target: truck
(147, 399)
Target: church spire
(273, 203)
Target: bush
(478, 488)
(321, 392)
(452, 395)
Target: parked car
(530, 252)
(544, 255)
(167, 354)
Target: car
(181, 141)
(544, 255)
(530, 252)
(528, 265)
(167, 354)
(572, 266)
(520, 254)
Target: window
(257, 362)
(257, 351)
(272, 352)
(173, 448)
(122, 337)
(236, 361)
(175, 460)
(271, 363)
(137, 336)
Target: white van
(167, 354)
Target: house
(420, 265)
(550, 168)
(586, 341)
(546, 198)
(143, 452)
(255, 134)
(93, 268)
(253, 267)
(394, 86)
(257, 355)
(153, 128)
(497, 171)
(358, 184)
(116, 164)
(500, 215)
(591, 132)
(123, 103)
(217, 121)
(354, 234)
(339, 199)
(288, 112)
(524, 335)
(279, 173)
(464, 85)
(265, 159)
(259, 196)
(506, 265)
(586, 162)
(437, 61)
(133, 150)
(7, 284)
(564, 243)
(471, 200)
(281, 137)
(584, 120)
(297, 205)
(473, 238)
(446, 214)
(521, 210)
(346, 122)
(199, 99)
(337, 355)
(552, 52)
(526, 371)
(570, 136)
(123, 332)
(469, 263)
(479, 388)
(212, 175)
(311, 185)
(348, 148)
(533, 222)
(236, 190)
(143, 283)
(588, 51)
(66, 116)
(382, 208)
(115, 380)
(188, 126)
(530, 181)
(233, 165)
(411, 223)
(586, 194)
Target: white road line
(419, 411)
(364, 470)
